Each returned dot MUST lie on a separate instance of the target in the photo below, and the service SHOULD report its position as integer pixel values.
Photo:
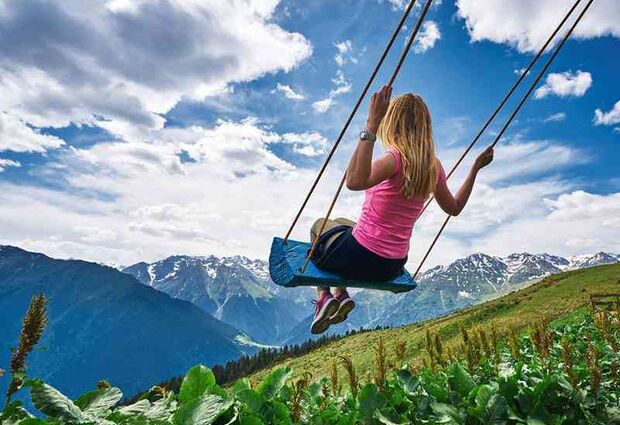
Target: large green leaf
(13, 413)
(371, 401)
(54, 404)
(99, 402)
(448, 414)
(162, 409)
(272, 384)
(387, 421)
(409, 381)
(198, 381)
(460, 380)
(203, 410)
(136, 408)
(251, 399)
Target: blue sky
(134, 130)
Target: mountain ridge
(104, 322)
(236, 290)
(441, 289)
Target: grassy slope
(552, 297)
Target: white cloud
(565, 84)
(428, 36)
(5, 163)
(575, 222)
(344, 53)
(526, 24)
(17, 136)
(517, 158)
(121, 64)
(307, 144)
(288, 92)
(128, 201)
(557, 117)
(341, 86)
(400, 4)
(323, 105)
(127, 205)
(611, 117)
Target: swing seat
(287, 258)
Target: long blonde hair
(407, 128)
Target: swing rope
(399, 65)
(361, 97)
(512, 116)
(505, 99)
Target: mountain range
(104, 324)
(153, 321)
(238, 291)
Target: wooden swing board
(287, 258)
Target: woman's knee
(344, 222)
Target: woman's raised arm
(362, 172)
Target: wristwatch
(367, 135)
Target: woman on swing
(396, 187)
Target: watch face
(366, 135)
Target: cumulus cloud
(565, 84)
(307, 144)
(323, 105)
(5, 163)
(288, 92)
(128, 201)
(344, 51)
(611, 117)
(122, 64)
(557, 117)
(231, 194)
(428, 36)
(341, 86)
(526, 24)
(17, 136)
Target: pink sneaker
(346, 306)
(326, 307)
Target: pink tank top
(386, 222)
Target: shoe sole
(343, 312)
(322, 321)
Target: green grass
(553, 297)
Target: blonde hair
(407, 128)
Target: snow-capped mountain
(236, 290)
(477, 277)
(583, 261)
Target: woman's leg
(341, 291)
(314, 233)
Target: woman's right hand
(484, 159)
(379, 104)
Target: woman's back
(387, 219)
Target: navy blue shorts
(347, 258)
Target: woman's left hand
(378, 107)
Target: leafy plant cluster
(566, 374)
(264, 358)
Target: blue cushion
(287, 258)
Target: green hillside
(551, 298)
(566, 372)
